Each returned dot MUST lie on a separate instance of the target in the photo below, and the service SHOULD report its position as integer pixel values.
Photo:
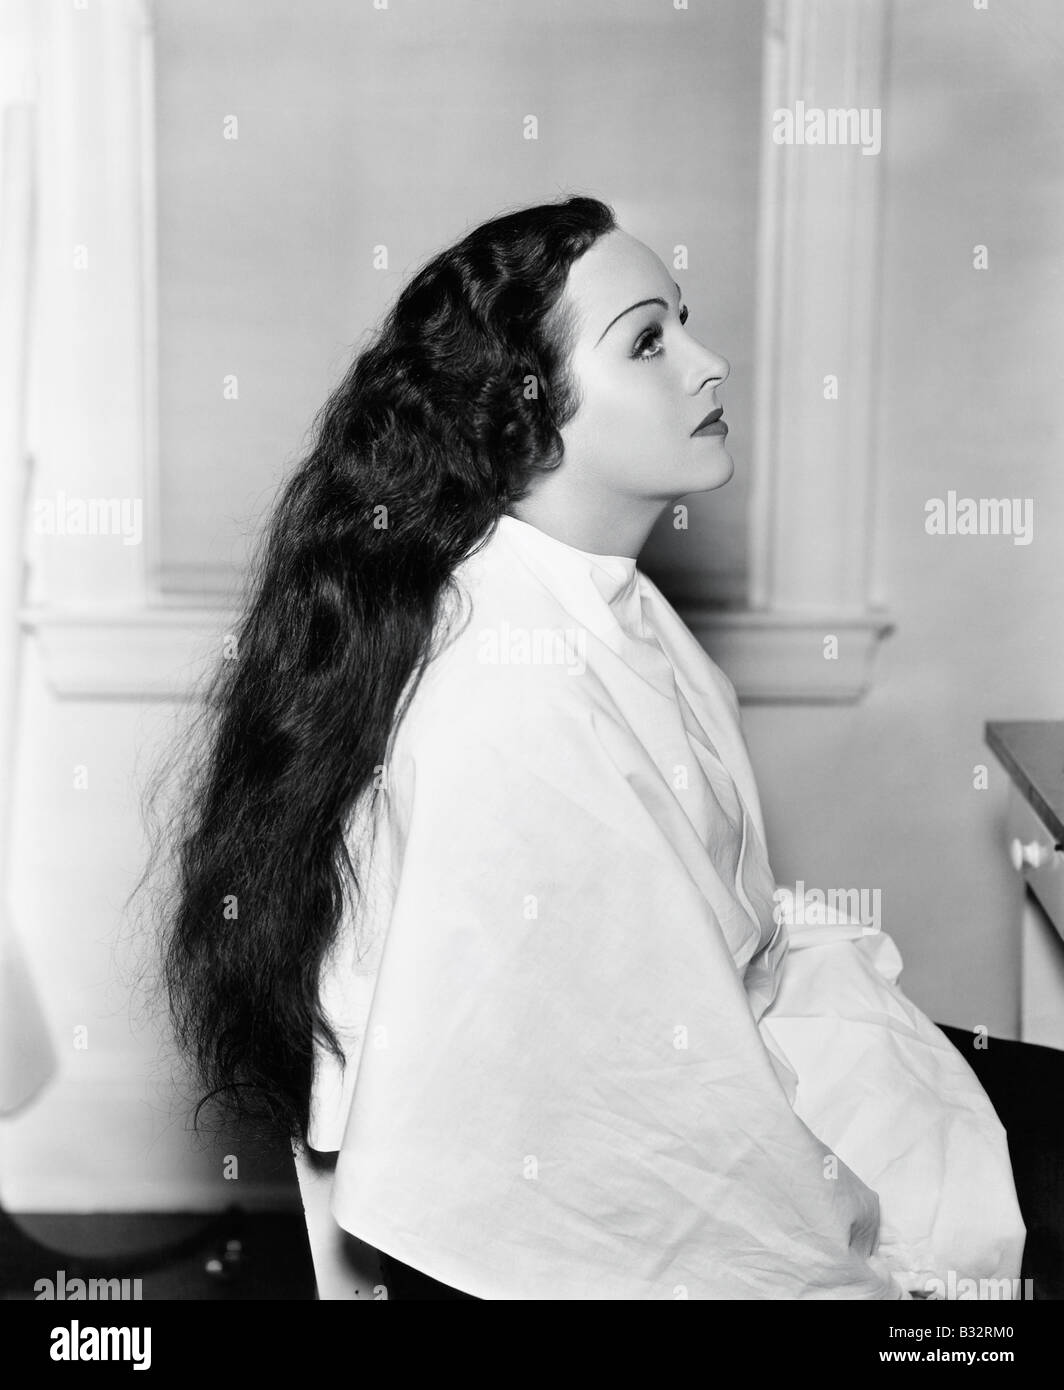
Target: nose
(708, 369)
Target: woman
(474, 884)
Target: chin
(715, 472)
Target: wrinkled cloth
(581, 1062)
(890, 1094)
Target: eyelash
(652, 335)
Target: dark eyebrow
(640, 305)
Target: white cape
(581, 1061)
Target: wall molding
(779, 658)
(166, 653)
(129, 653)
(812, 519)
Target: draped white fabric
(567, 1077)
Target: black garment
(1025, 1084)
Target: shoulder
(496, 687)
(506, 656)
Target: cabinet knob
(1032, 853)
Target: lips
(711, 419)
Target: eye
(645, 342)
(652, 339)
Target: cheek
(626, 418)
(609, 434)
(626, 402)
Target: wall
(881, 794)
(359, 127)
(109, 1132)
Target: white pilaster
(93, 362)
(818, 281)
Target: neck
(620, 529)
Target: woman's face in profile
(646, 381)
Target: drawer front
(1030, 838)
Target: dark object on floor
(403, 1282)
(233, 1255)
(21, 1250)
(1025, 1084)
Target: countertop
(1032, 752)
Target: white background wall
(881, 794)
(404, 127)
(109, 1132)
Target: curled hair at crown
(443, 421)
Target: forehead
(616, 271)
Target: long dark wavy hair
(437, 426)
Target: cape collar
(615, 577)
